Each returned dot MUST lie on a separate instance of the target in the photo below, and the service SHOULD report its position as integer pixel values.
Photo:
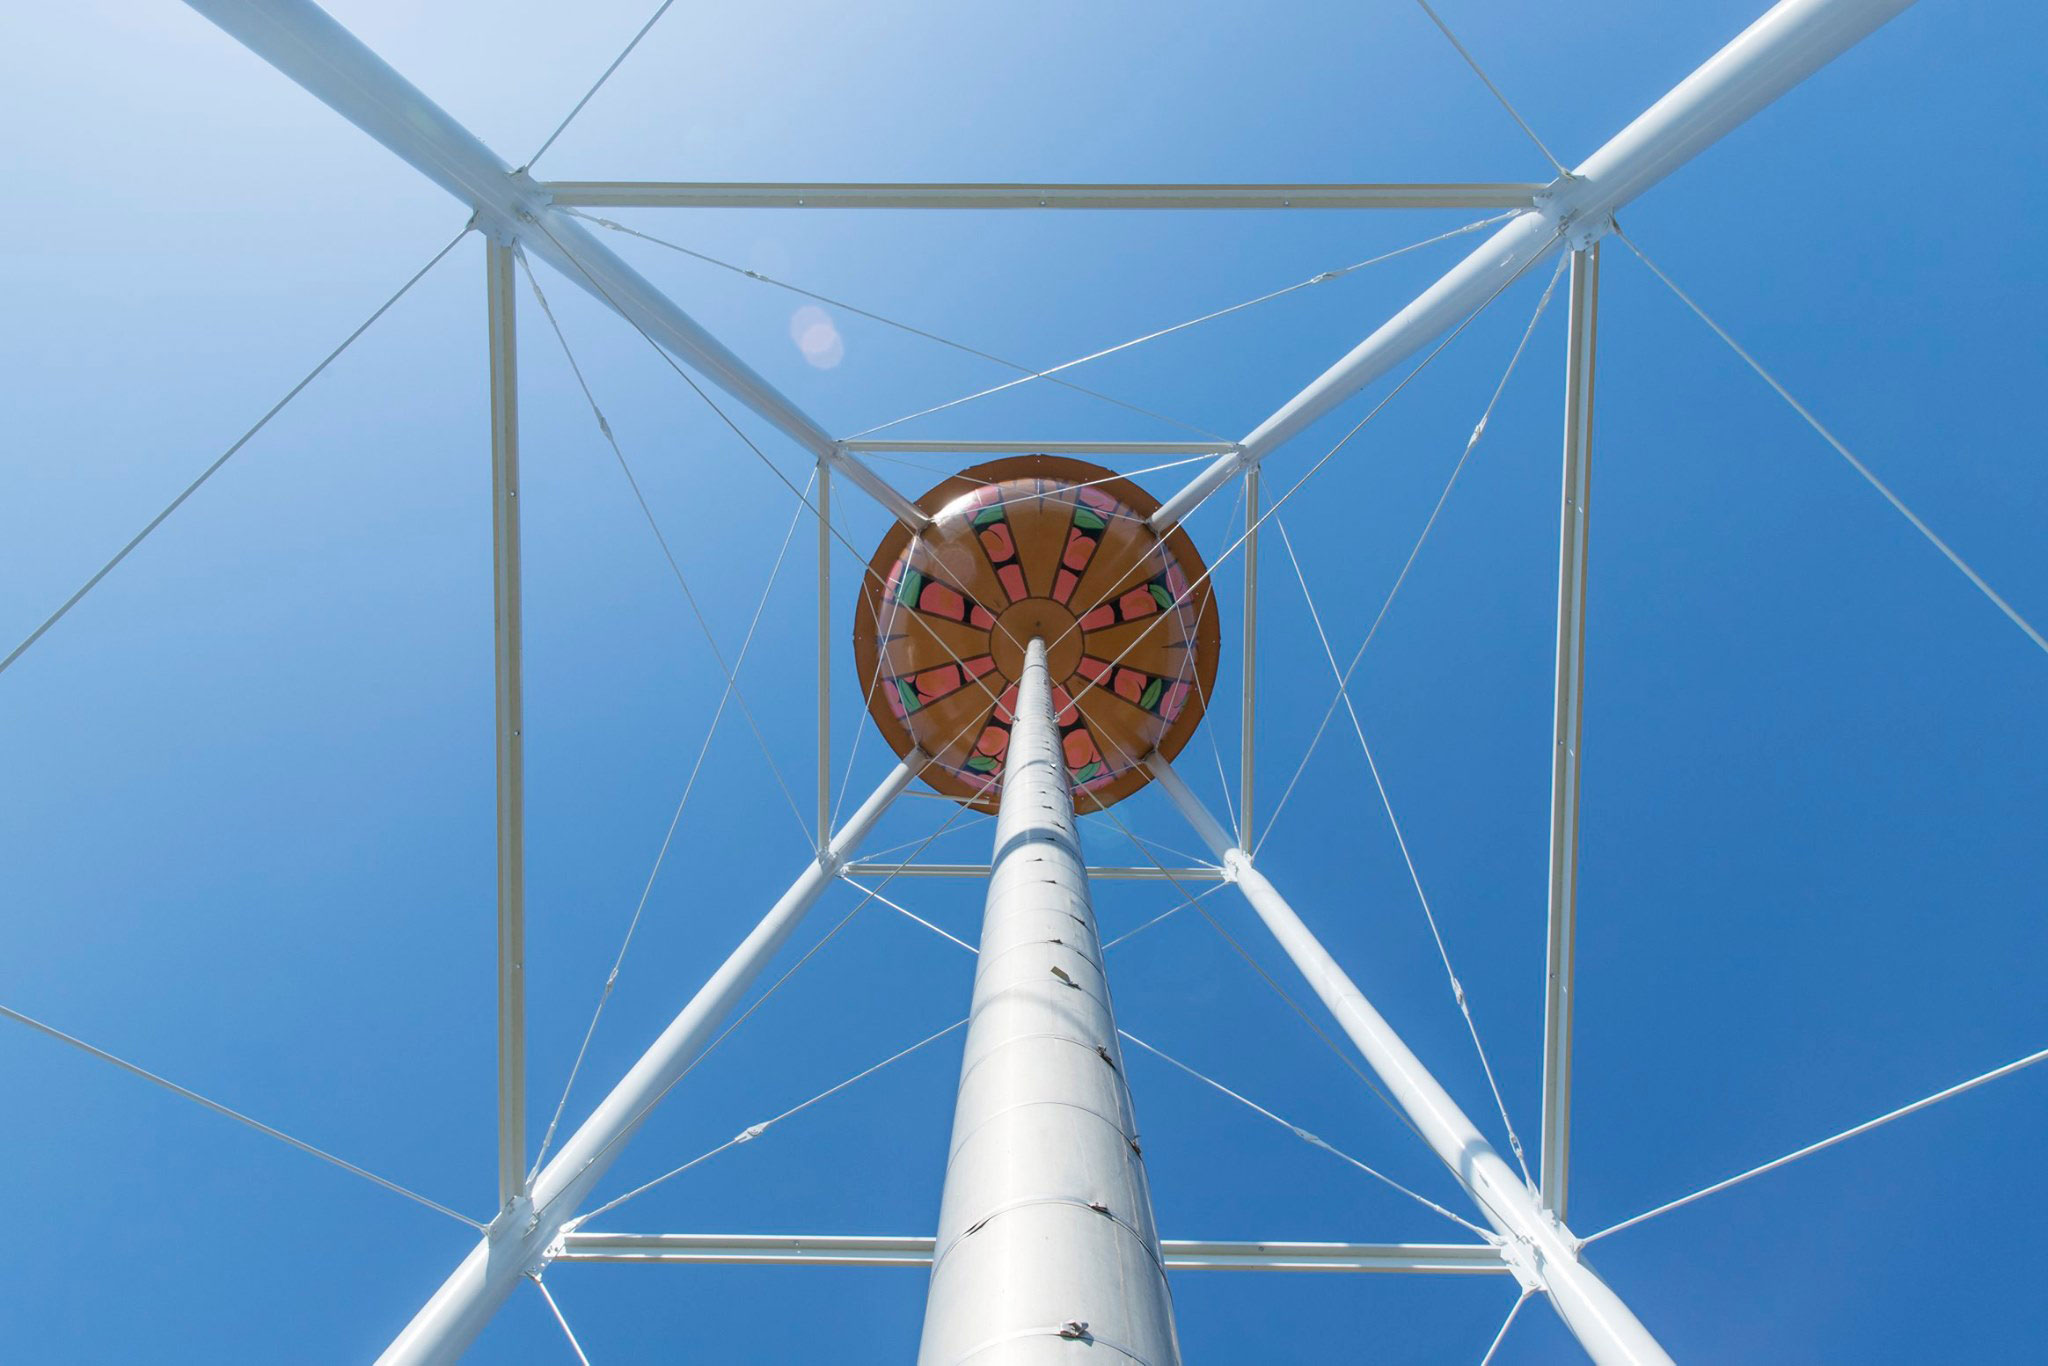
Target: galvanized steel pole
(1045, 1232)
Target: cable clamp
(751, 1132)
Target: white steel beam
(980, 871)
(792, 1249)
(1045, 1227)
(1040, 447)
(824, 652)
(1247, 729)
(304, 43)
(1542, 1250)
(511, 746)
(519, 1238)
(617, 194)
(1563, 895)
(1790, 42)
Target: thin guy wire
(803, 498)
(225, 456)
(1414, 877)
(1251, 961)
(1323, 278)
(1898, 505)
(897, 459)
(981, 818)
(2018, 1064)
(1487, 80)
(754, 1131)
(570, 117)
(1471, 444)
(1506, 1324)
(675, 567)
(913, 915)
(236, 1115)
(1305, 1136)
(1298, 484)
(556, 1310)
(760, 1001)
(1111, 478)
(1028, 373)
(1165, 915)
(689, 786)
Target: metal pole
(302, 41)
(1246, 728)
(1542, 1251)
(824, 651)
(1045, 1228)
(519, 1238)
(1789, 43)
(498, 270)
(1563, 897)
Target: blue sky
(248, 815)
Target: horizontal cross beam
(660, 194)
(979, 872)
(699, 1249)
(1040, 447)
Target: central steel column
(1046, 1249)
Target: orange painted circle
(1042, 619)
(1046, 547)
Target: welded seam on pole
(236, 1115)
(1428, 525)
(2017, 1065)
(1048, 373)
(225, 456)
(667, 839)
(703, 624)
(1898, 504)
(911, 329)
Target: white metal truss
(1793, 39)
(655, 194)
(794, 1249)
(1575, 509)
(499, 263)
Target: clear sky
(248, 821)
